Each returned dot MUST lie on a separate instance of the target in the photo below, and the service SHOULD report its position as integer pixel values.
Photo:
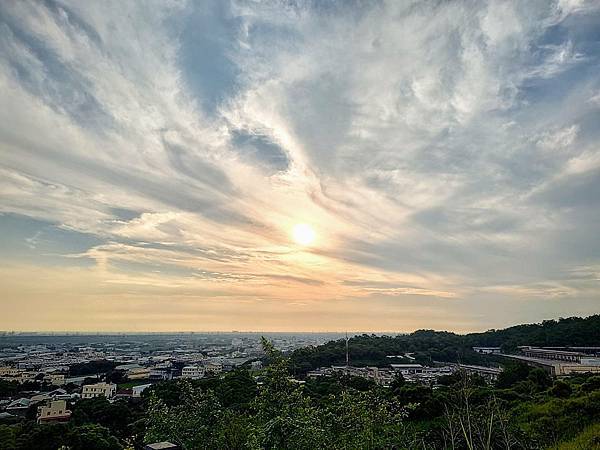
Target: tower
(347, 354)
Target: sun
(303, 234)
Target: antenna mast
(347, 357)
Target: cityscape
(52, 378)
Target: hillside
(429, 345)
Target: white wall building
(107, 390)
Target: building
(55, 379)
(193, 372)
(214, 367)
(136, 391)
(9, 372)
(487, 350)
(54, 411)
(59, 394)
(18, 407)
(107, 390)
(162, 446)
(138, 373)
(27, 376)
(161, 374)
(489, 373)
(557, 362)
(407, 369)
(551, 354)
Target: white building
(107, 390)
(192, 372)
(407, 369)
(54, 411)
(214, 367)
(487, 350)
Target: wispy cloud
(445, 153)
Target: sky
(155, 158)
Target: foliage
(92, 437)
(114, 416)
(588, 439)
(92, 367)
(8, 388)
(428, 345)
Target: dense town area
(241, 390)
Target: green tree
(193, 423)
(115, 416)
(42, 437)
(561, 389)
(8, 437)
(92, 437)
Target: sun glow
(303, 234)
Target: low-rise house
(42, 397)
(107, 390)
(27, 376)
(9, 372)
(123, 393)
(54, 411)
(161, 374)
(193, 372)
(141, 373)
(56, 379)
(19, 407)
(214, 367)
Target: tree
(42, 437)
(236, 389)
(512, 374)
(193, 423)
(114, 416)
(561, 389)
(8, 437)
(540, 378)
(92, 437)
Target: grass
(588, 439)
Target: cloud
(443, 152)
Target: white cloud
(418, 138)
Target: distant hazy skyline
(298, 166)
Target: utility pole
(347, 354)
